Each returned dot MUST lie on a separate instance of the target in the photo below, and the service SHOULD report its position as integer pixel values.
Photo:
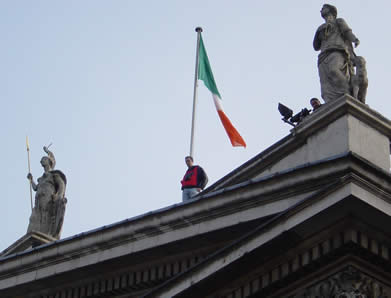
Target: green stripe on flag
(204, 71)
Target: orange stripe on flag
(235, 138)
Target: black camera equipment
(287, 114)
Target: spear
(28, 161)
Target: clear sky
(110, 84)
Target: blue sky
(110, 84)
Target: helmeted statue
(337, 59)
(48, 213)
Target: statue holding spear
(47, 216)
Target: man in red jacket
(194, 181)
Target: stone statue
(48, 213)
(337, 59)
(359, 80)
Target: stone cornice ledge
(334, 110)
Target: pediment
(297, 251)
(28, 241)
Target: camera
(289, 118)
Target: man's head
(315, 103)
(328, 9)
(189, 161)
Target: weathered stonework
(349, 283)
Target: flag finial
(198, 29)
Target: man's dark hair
(314, 98)
(333, 9)
(191, 158)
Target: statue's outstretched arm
(50, 154)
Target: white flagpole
(198, 30)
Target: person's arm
(33, 185)
(317, 43)
(60, 184)
(203, 178)
(347, 32)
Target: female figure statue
(48, 213)
(337, 59)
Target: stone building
(307, 217)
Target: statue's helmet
(51, 159)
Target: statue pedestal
(28, 241)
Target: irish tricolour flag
(205, 74)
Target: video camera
(287, 114)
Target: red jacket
(195, 177)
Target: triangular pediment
(28, 241)
(344, 225)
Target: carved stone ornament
(349, 283)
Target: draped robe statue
(48, 213)
(337, 60)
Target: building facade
(307, 217)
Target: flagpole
(198, 30)
(28, 161)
